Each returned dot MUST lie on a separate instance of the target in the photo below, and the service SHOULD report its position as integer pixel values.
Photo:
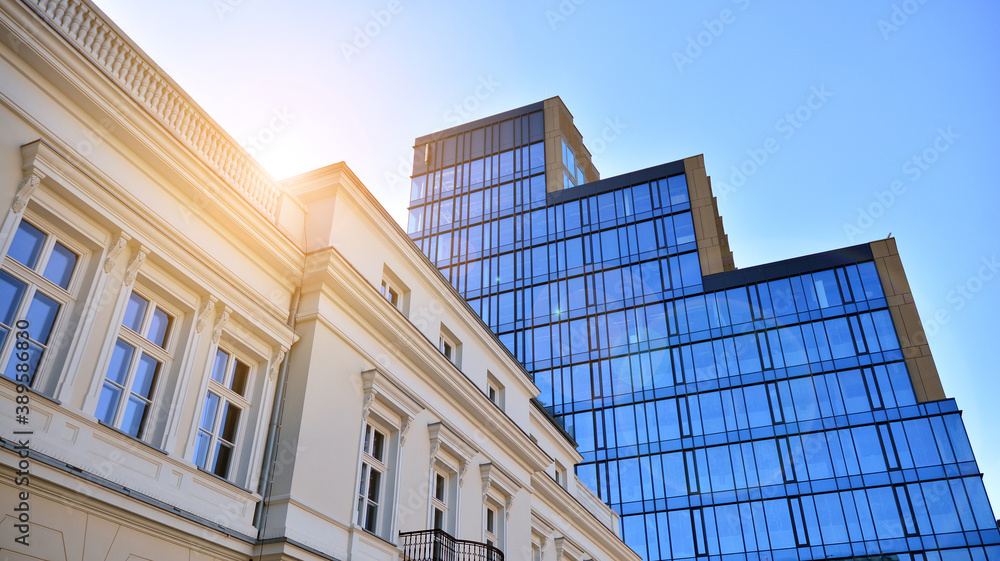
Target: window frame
(391, 283)
(141, 345)
(493, 537)
(226, 396)
(380, 465)
(450, 346)
(495, 391)
(391, 293)
(440, 482)
(34, 280)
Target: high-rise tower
(780, 412)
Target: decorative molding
(498, 481)
(462, 468)
(116, 250)
(278, 357)
(368, 386)
(435, 446)
(391, 399)
(366, 403)
(220, 324)
(405, 428)
(94, 37)
(541, 546)
(25, 189)
(134, 264)
(506, 507)
(206, 311)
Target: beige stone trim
(143, 81)
(909, 329)
(713, 243)
(558, 127)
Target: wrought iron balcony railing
(438, 545)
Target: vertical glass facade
(766, 415)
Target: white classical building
(199, 362)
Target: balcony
(438, 545)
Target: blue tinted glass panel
(134, 312)
(107, 405)
(11, 292)
(121, 357)
(61, 263)
(41, 316)
(27, 245)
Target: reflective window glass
(26, 245)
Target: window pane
(219, 368)
(108, 404)
(41, 316)
(120, 359)
(230, 422)
(11, 291)
(145, 376)
(378, 439)
(240, 375)
(60, 267)
(201, 448)
(157, 333)
(208, 413)
(373, 485)
(223, 453)
(134, 312)
(34, 355)
(439, 487)
(779, 524)
(831, 518)
(135, 415)
(27, 245)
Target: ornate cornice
(113, 54)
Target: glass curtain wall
(769, 421)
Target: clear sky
(823, 125)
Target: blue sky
(823, 125)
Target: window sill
(223, 479)
(374, 535)
(129, 436)
(31, 390)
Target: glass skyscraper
(780, 412)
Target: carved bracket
(276, 363)
(506, 507)
(25, 189)
(464, 467)
(116, 250)
(405, 428)
(368, 387)
(206, 311)
(435, 446)
(220, 324)
(366, 403)
(134, 264)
